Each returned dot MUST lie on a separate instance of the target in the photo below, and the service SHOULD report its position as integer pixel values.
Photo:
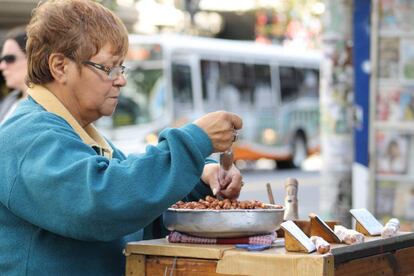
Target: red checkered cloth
(177, 237)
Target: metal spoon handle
(226, 159)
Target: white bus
(176, 79)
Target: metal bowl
(224, 223)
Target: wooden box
(377, 256)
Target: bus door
(186, 96)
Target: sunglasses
(8, 59)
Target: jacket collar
(89, 134)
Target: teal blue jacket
(65, 210)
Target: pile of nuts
(212, 203)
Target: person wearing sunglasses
(69, 199)
(13, 64)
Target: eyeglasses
(8, 59)
(113, 72)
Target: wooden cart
(392, 256)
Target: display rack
(391, 144)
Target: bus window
(182, 90)
(235, 79)
(210, 73)
(263, 97)
(310, 83)
(223, 85)
(298, 83)
(230, 83)
(236, 87)
(289, 86)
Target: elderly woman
(13, 64)
(69, 199)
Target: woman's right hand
(220, 126)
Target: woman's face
(95, 93)
(14, 65)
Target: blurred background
(325, 89)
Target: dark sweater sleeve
(64, 187)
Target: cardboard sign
(319, 228)
(370, 225)
(303, 242)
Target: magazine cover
(388, 58)
(407, 104)
(407, 60)
(392, 153)
(388, 107)
(388, 21)
(396, 16)
(404, 201)
(404, 12)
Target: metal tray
(223, 223)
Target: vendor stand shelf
(376, 256)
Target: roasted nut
(210, 198)
(226, 204)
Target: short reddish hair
(78, 29)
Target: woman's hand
(227, 187)
(220, 127)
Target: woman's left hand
(228, 187)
